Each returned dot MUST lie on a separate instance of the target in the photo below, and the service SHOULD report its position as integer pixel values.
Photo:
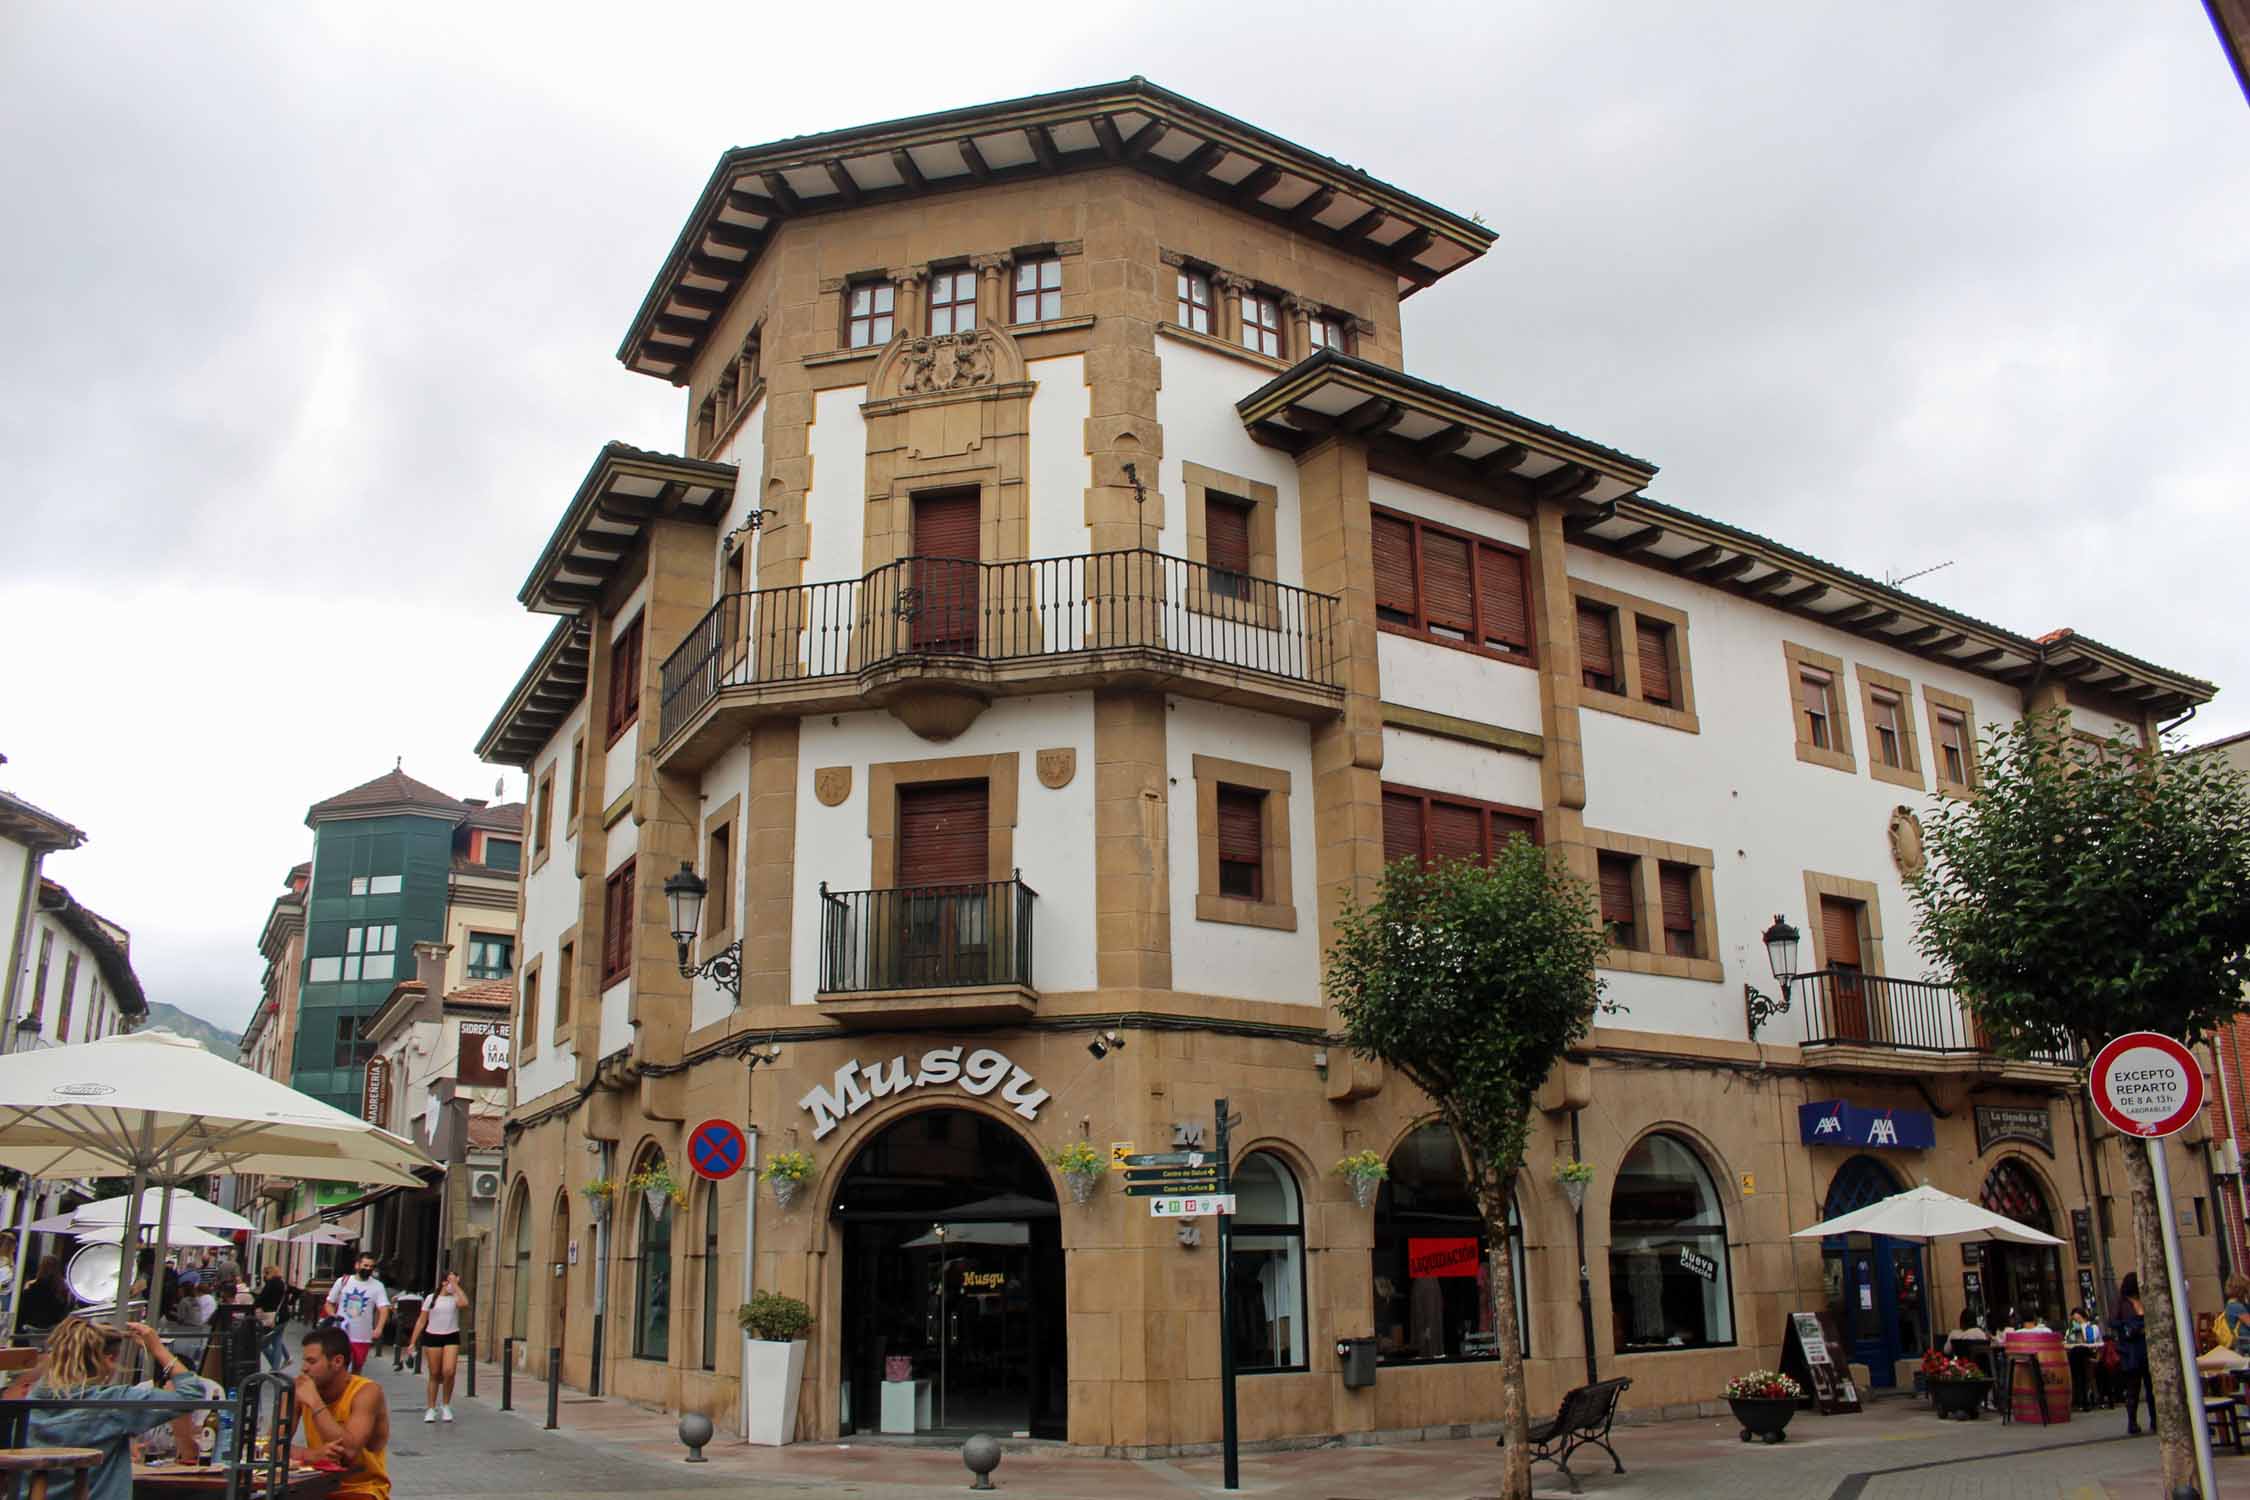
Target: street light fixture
(1781, 956)
(684, 894)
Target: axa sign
(857, 1084)
(1832, 1122)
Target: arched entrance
(2020, 1279)
(1876, 1288)
(953, 1282)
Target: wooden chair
(30, 1473)
(2224, 1414)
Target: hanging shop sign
(1833, 1122)
(1448, 1256)
(857, 1085)
(375, 1092)
(2001, 1122)
(2082, 1234)
(483, 1059)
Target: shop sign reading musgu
(858, 1084)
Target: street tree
(2091, 888)
(1471, 981)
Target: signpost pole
(1227, 1425)
(2175, 1275)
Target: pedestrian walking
(2128, 1331)
(272, 1304)
(438, 1330)
(364, 1304)
(342, 1418)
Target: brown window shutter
(1456, 832)
(1446, 601)
(1506, 826)
(1617, 889)
(1812, 691)
(946, 526)
(1402, 827)
(943, 835)
(1595, 658)
(1242, 839)
(1656, 661)
(1506, 614)
(1394, 566)
(1226, 534)
(625, 678)
(1676, 888)
(1839, 926)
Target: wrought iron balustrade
(926, 937)
(940, 607)
(1843, 1007)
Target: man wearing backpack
(364, 1306)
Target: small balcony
(1871, 1023)
(927, 953)
(935, 639)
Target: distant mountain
(162, 1017)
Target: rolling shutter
(1402, 827)
(1656, 662)
(946, 582)
(1595, 659)
(1456, 832)
(942, 835)
(1446, 602)
(1839, 927)
(1226, 535)
(945, 526)
(1617, 890)
(1394, 566)
(1676, 888)
(1500, 596)
(1242, 817)
(1506, 826)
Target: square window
(1194, 311)
(868, 308)
(491, 955)
(1261, 323)
(1242, 842)
(953, 301)
(1327, 331)
(1038, 293)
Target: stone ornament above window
(1906, 843)
(1057, 767)
(977, 362)
(832, 784)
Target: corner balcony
(927, 953)
(1873, 1024)
(934, 640)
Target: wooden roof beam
(1363, 226)
(1688, 562)
(1505, 459)
(1255, 186)
(1375, 414)
(735, 237)
(1796, 598)
(973, 159)
(1566, 483)
(742, 200)
(1196, 163)
(1637, 541)
(715, 268)
(841, 175)
(1401, 252)
(1852, 614)
(1980, 658)
(1728, 569)
(1146, 139)
(1043, 147)
(1444, 441)
(1106, 136)
(1314, 204)
(782, 192)
(1766, 583)
(902, 161)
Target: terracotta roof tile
(485, 1132)
(490, 994)
(507, 817)
(391, 789)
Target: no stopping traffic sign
(2146, 1084)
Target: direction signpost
(2148, 1085)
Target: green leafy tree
(1471, 981)
(2092, 888)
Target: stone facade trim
(1278, 911)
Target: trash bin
(1358, 1357)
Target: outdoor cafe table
(198, 1482)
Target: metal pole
(130, 1244)
(2183, 1327)
(554, 1387)
(469, 1358)
(507, 1374)
(1228, 1434)
(1585, 1276)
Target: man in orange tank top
(342, 1418)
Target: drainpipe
(601, 1267)
(1585, 1277)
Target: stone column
(1562, 769)
(906, 306)
(1230, 288)
(992, 289)
(1301, 313)
(1132, 862)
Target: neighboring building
(269, 1046)
(2230, 1094)
(28, 835)
(1066, 604)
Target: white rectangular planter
(770, 1376)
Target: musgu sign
(857, 1085)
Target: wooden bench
(1581, 1421)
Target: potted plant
(1081, 1166)
(1572, 1177)
(1763, 1402)
(786, 1172)
(1365, 1171)
(597, 1195)
(773, 1364)
(655, 1185)
(1957, 1387)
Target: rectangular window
(566, 982)
(617, 925)
(1654, 644)
(1816, 702)
(376, 885)
(1242, 856)
(1889, 728)
(1261, 323)
(574, 795)
(370, 952)
(1327, 331)
(1194, 311)
(1620, 914)
(1450, 586)
(353, 1045)
(491, 956)
(625, 679)
(868, 307)
(1676, 892)
(1432, 828)
(1597, 648)
(503, 854)
(39, 987)
(1226, 545)
(1953, 747)
(69, 998)
(527, 1010)
(543, 814)
(953, 301)
(718, 869)
(1038, 290)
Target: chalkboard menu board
(1818, 1364)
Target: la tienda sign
(857, 1085)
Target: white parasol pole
(130, 1243)
(163, 1241)
(24, 1198)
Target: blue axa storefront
(1877, 1287)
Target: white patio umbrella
(185, 1206)
(318, 1234)
(158, 1107)
(175, 1236)
(1926, 1214)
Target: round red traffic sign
(717, 1150)
(2146, 1084)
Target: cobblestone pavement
(1894, 1450)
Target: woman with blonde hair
(437, 1332)
(80, 1364)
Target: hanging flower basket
(786, 1173)
(1082, 1185)
(659, 1203)
(1573, 1177)
(597, 1195)
(1081, 1167)
(657, 1188)
(1366, 1172)
(784, 1191)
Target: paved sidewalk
(1893, 1450)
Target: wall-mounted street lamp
(1781, 957)
(684, 893)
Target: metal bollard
(507, 1374)
(554, 1388)
(469, 1357)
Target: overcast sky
(310, 318)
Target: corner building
(1064, 603)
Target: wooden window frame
(527, 1007)
(1427, 795)
(620, 895)
(574, 801)
(722, 823)
(1869, 896)
(623, 709)
(1186, 304)
(1837, 754)
(882, 303)
(1649, 856)
(543, 818)
(69, 1001)
(954, 305)
(1875, 685)
(1253, 801)
(1260, 606)
(1636, 925)
(1581, 611)
(566, 981)
(1627, 613)
(1936, 703)
(1276, 908)
(1258, 334)
(1339, 328)
(1037, 293)
(1000, 774)
(1698, 938)
(1526, 653)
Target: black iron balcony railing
(1845, 1008)
(1004, 611)
(926, 937)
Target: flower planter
(1959, 1398)
(1364, 1189)
(598, 1209)
(771, 1373)
(784, 1191)
(1082, 1185)
(1763, 1419)
(1576, 1193)
(659, 1203)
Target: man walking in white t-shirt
(361, 1301)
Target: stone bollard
(695, 1431)
(982, 1455)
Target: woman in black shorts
(438, 1329)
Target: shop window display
(1433, 1271)
(1670, 1285)
(1268, 1264)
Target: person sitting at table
(80, 1364)
(47, 1300)
(342, 1418)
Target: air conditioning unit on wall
(484, 1184)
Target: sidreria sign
(857, 1084)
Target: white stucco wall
(728, 776)
(1054, 842)
(1431, 764)
(1223, 958)
(550, 908)
(836, 505)
(1058, 471)
(2095, 722)
(617, 763)
(1196, 406)
(747, 450)
(1465, 684)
